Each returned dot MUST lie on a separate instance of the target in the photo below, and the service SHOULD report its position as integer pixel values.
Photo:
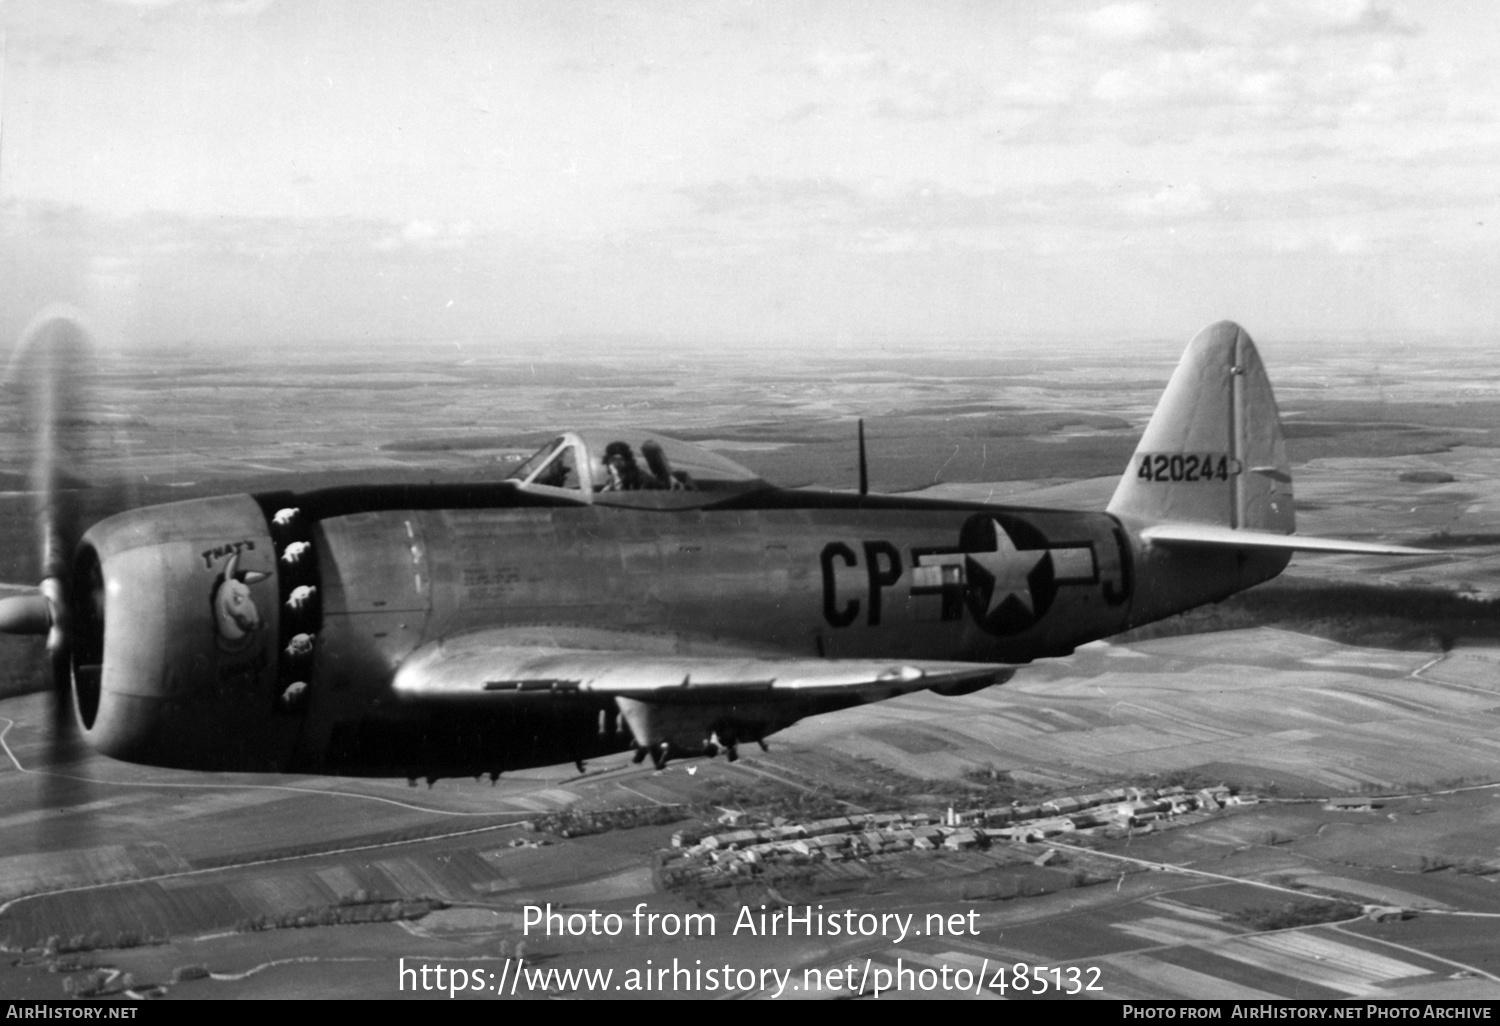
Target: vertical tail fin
(1213, 453)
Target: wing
(688, 702)
(488, 663)
(1215, 536)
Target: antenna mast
(864, 471)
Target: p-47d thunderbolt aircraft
(626, 591)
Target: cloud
(1333, 17)
(1231, 88)
(423, 234)
(895, 88)
(938, 95)
(889, 216)
(818, 196)
(1037, 91)
(1140, 24)
(837, 64)
(886, 216)
(1170, 203)
(1191, 71)
(227, 8)
(70, 49)
(1125, 23)
(104, 237)
(1216, 75)
(122, 32)
(800, 113)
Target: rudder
(1213, 452)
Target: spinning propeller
(45, 376)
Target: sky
(727, 172)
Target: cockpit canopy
(630, 467)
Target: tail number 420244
(1178, 466)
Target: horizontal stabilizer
(1235, 538)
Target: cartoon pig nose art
(235, 613)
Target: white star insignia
(1007, 568)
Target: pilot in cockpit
(622, 473)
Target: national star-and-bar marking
(993, 574)
(1007, 568)
(999, 574)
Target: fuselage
(264, 632)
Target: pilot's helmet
(620, 449)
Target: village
(1116, 812)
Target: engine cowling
(190, 624)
